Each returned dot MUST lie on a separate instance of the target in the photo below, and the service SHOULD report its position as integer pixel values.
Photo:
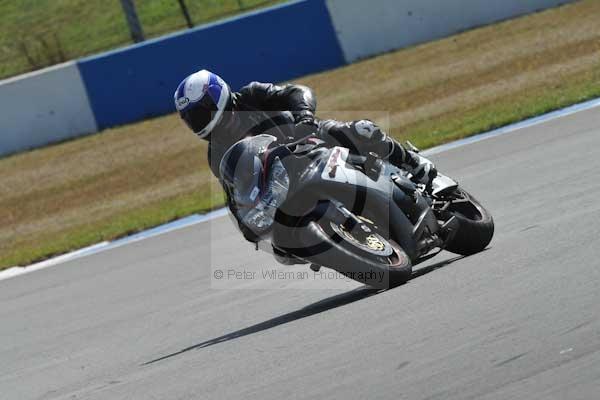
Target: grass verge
(130, 178)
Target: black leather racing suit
(266, 108)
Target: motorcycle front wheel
(369, 258)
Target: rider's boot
(421, 168)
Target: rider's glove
(306, 124)
(369, 131)
(425, 172)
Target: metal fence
(37, 34)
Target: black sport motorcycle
(357, 214)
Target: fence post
(135, 28)
(186, 14)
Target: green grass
(494, 115)
(126, 179)
(119, 225)
(38, 33)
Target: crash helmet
(202, 100)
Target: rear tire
(476, 226)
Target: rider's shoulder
(256, 86)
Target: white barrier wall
(367, 28)
(42, 107)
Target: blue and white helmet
(201, 100)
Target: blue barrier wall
(276, 44)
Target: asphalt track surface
(520, 320)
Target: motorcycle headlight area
(276, 187)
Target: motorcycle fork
(349, 221)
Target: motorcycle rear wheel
(476, 225)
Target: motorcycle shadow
(318, 307)
(418, 272)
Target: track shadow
(326, 304)
(430, 268)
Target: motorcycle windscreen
(261, 216)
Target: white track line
(99, 247)
(198, 219)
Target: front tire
(332, 248)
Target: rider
(222, 117)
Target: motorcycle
(359, 214)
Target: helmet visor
(200, 115)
